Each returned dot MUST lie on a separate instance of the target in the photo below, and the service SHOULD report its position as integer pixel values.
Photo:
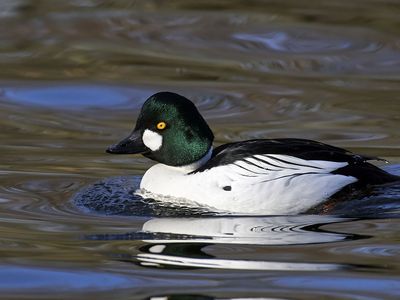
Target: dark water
(74, 75)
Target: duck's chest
(169, 181)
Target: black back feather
(305, 149)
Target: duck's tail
(367, 174)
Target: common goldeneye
(262, 176)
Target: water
(74, 75)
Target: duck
(284, 176)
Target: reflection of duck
(184, 239)
(282, 230)
(156, 258)
(281, 176)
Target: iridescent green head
(169, 130)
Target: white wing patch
(264, 168)
(276, 183)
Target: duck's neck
(195, 165)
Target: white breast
(260, 184)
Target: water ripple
(305, 40)
(75, 97)
(191, 43)
(382, 250)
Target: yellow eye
(161, 125)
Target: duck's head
(169, 130)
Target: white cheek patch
(152, 140)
